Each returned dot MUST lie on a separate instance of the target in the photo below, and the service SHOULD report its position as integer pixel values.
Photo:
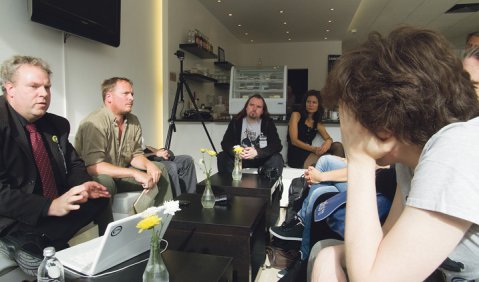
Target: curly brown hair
(409, 83)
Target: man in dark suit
(38, 208)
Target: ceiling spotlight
(219, 1)
(245, 33)
(281, 11)
(239, 25)
(330, 21)
(285, 23)
(287, 32)
(332, 9)
(353, 30)
(230, 14)
(327, 30)
(289, 39)
(251, 40)
(325, 38)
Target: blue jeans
(305, 214)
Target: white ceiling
(307, 20)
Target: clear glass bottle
(208, 198)
(155, 270)
(51, 269)
(237, 168)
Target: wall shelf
(224, 65)
(198, 77)
(198, 51)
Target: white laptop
(120, 242)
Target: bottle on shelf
(51, 269)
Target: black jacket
(18, 172)
(232, 137)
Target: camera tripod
(179, 92)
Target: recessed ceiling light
(332, 9)
(251, 40)
(327, 30)
(325, 38)
(287, 32)
(219, 1)
(245, 33)
(289, 39)
(239, 24)
(281, 11)
(330, 21)
(285, 23)
(230, 14)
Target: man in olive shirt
(109, 141)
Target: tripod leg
(172, 126)
(197, 110)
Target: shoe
(282, 273)
(291, 223)
(293, 233)
(296, 273)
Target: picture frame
(221, 54)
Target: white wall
(300, 55)
(80, 64)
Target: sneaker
(293, 233)
(291, 223)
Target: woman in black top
(303, 127)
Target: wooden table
(251, 185)
(182, 267)
(236, 230)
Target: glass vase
(237, 168)
(208, 198)
(155, 268)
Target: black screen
(94, 19)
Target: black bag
(298, 190)
(281, 253)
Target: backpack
(298, 190)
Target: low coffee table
(182, 267)
(251, 185)
(235, 230)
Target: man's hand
(153, 171)
(144, 179)
(248, 153)
(163, 153)
(69, 201)
(96, 190)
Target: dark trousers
(60, 229)
(226, 162)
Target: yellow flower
(237, 149)
(202, 150)
(148, 223)
(55, 138)
(212, 153)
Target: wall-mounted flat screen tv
(98, 20)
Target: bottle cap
(48, 251)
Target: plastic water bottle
(51, 269)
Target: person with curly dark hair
(304, 126)
(405, 99)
